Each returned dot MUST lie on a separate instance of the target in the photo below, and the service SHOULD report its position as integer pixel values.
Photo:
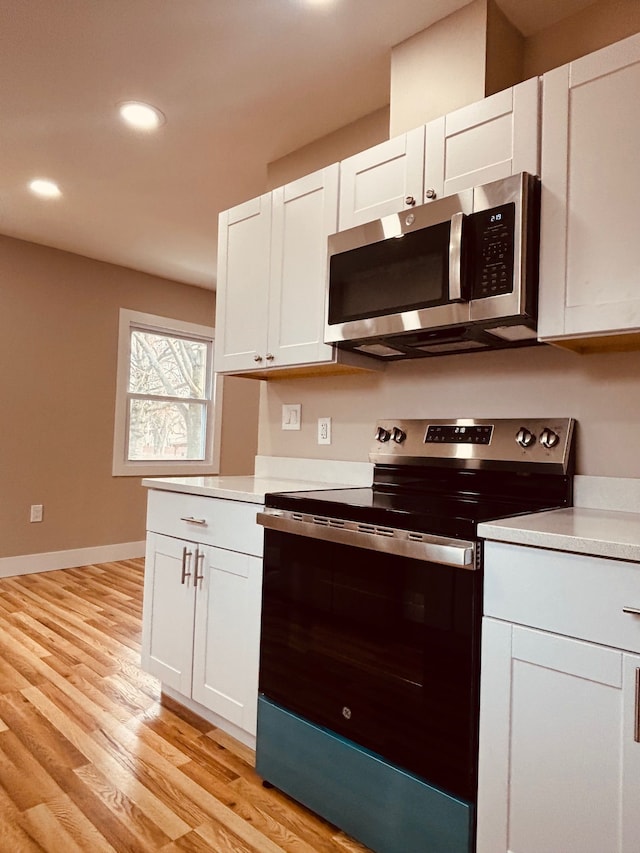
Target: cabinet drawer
(211, 521)
(571, 594)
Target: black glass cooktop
(455, 516)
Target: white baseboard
(29, 563)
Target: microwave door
(402, 283)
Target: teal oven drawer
(381, 805)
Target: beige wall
(472, 53)
(439, 69)
(598, 25)
(601, 391)
(332, 148)
(239, 428)
(476, 51)
(505, 52)
(58, 338)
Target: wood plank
(13, 837)
(124, 814)
(45, 827)
(94, 757)
(127, 782)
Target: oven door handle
(457, 553)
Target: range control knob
(382, 434)
(525, 437)
(398, 435)
(549, 438)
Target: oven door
(380, 648)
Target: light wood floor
(91, 761)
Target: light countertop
(239, 488)
(598, 532)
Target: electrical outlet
(324, 430)
(36, 512)
(291, 415)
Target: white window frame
(123, 467)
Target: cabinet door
(378, 181)
(305, 212)
(227, 636)
(559, 765)
(168, 610)
(242, 294)
(483, 142)
(590, 252)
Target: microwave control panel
(492, 251)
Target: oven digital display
(456, 434)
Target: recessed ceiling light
(45, 188)
(141, 116)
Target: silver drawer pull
(192, 520)
(634, 611)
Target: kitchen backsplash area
(599, 390)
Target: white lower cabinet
(201, 612)
(559, 767)
(226, 637)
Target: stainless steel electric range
(372, 605)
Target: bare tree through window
(168, 395)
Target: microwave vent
(380, 350)
(513, 333)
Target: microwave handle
(455, 258)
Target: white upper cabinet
(242, 294)
(483, 142)
(382, 180)
(305, 213)
(271, 290)
(474, 145)
(590, 251)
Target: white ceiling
(241, 82)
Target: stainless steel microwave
(454, 275)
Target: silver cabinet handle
(257, 357)
(191, 520)
(633, 611)
(430, 193)
(185, 554)
(410, 200)
(270, 356)
(199, 565)
(636, 727)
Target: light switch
(291, 415)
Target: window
(164, 398)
